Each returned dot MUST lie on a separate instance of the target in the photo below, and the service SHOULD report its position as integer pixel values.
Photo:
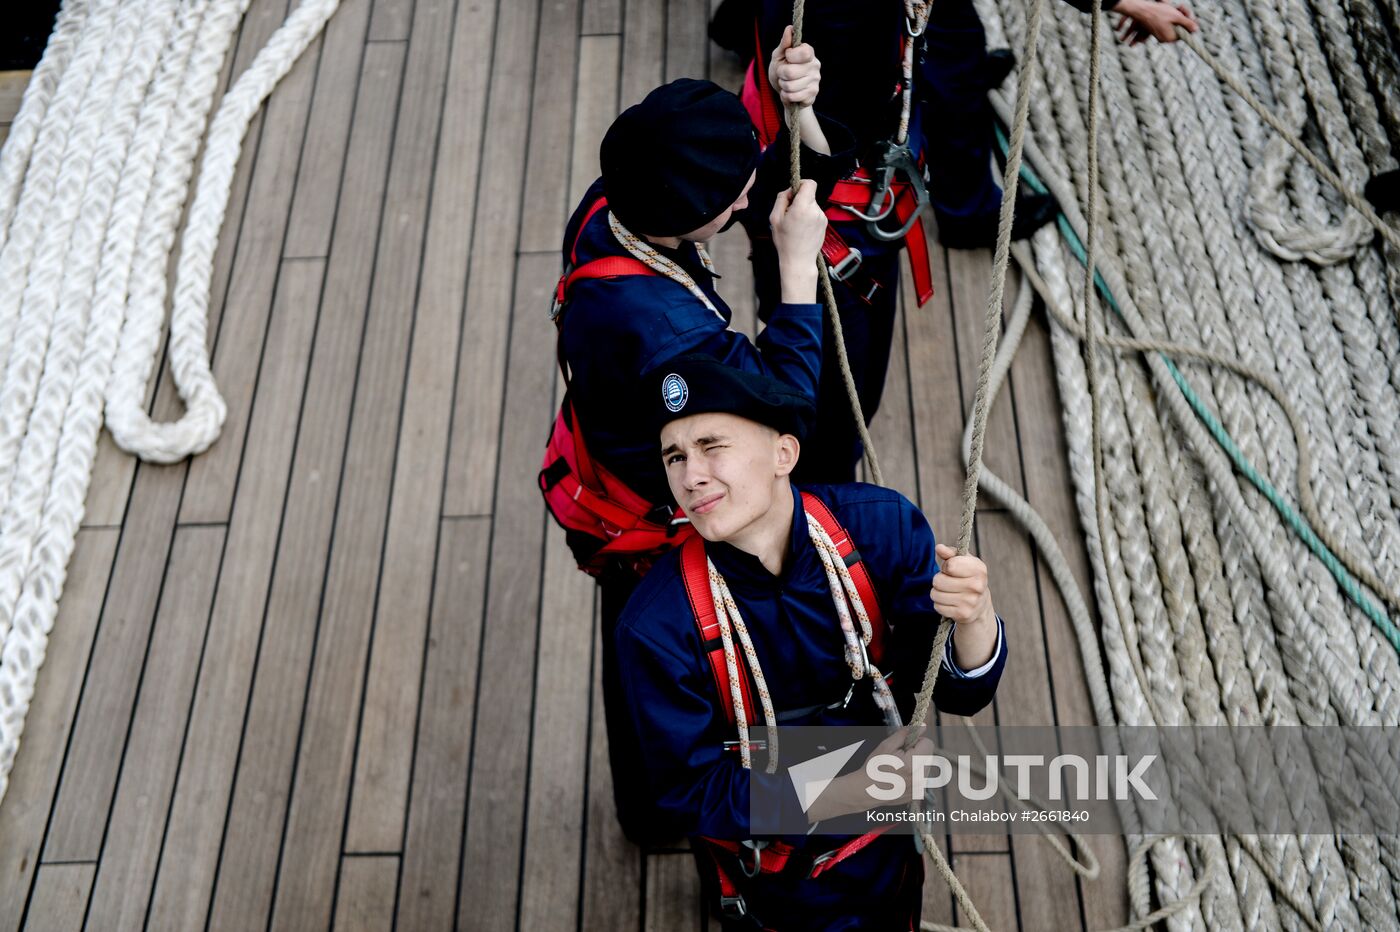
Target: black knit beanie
(675, 161)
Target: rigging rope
(872, 461)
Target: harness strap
(756, 85)
(606, 267)
(696, 575)
(825, 862)
(854, 192)
(859, 574)
(775, 857)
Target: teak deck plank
(118, 657)
(481, 372)
(300, 565)
(546, 187)
(607, 903)
(366, 902)
(247, 859)
(60, 897)
(501, 731)
(385, 753)
(673, 894)
(136, 825)
(24, 817)
(432, 841)
(340, 672)
(241, 339)
(556, 808)
(314, 835)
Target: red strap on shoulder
(598, 205)
(607, 267)
(859, 575)
(695, 572)
(758, 96)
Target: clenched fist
(961, 594)
(794, 72)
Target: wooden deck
(339, 671)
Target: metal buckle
(733, 907)
(880, 180)
(847, 266)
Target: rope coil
(93, 178)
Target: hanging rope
(872, 461)
(93, 179)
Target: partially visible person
(728, 442)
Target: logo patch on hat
(674, 392)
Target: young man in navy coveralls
(728, 449)
(675, 168)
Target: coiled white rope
(93, 179)
(1226, 618)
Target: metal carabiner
(880, 197)
(898, 160)
(757, 847)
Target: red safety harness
(582, 494)
(851, 197)
(771, 857)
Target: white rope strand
(93, 180)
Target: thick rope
(93, 179)
(1239, 528)
(1353, 199)
(872, 461)
(647, 254)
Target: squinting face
(721, 469)
(712, 229)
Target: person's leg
(956, 122)
(629, 783)
(957, 119)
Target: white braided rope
(645, 253)
(731, 622)
(1233, 621)
(847, 600)
(855, 628)
(93, 179)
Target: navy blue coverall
(700, 789)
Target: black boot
(999, 65)
(1033, 211)
(1383, 190)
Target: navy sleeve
(775, 172)
(789, 348)
(697, 786)
(915, 621)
